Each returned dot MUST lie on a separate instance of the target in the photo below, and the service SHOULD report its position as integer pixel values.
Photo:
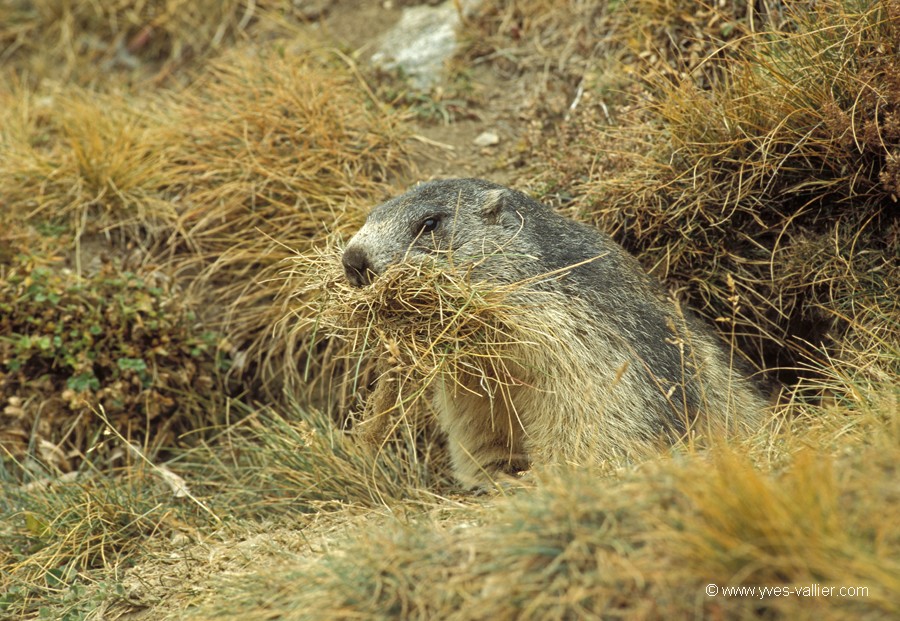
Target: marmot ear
(493, 202)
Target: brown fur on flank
(596, 362)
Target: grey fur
(624, 370)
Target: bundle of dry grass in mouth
(421, 321)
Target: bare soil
(497, 103)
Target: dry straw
(84, 42)
(425, 321)
(276, 153)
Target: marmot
(623, 370)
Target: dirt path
(480, 141)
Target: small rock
(312, 10)
(487, 139)
(422, 41)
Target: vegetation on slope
(172, 177)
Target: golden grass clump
(643, 544)
(793, 529)
(84, 41)
(425, 318)
(419, 322)
(278, 144)
(275, 153)
(90, 160)
(770, 193)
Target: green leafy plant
(122, 340)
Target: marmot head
(459, 220)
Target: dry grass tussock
(83, 42)
(643, 544)
(778, 177)
(202, 192)
(277, 154)
(86, 159)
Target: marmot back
(622, 371)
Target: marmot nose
(357, 267)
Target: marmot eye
(429, 224)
